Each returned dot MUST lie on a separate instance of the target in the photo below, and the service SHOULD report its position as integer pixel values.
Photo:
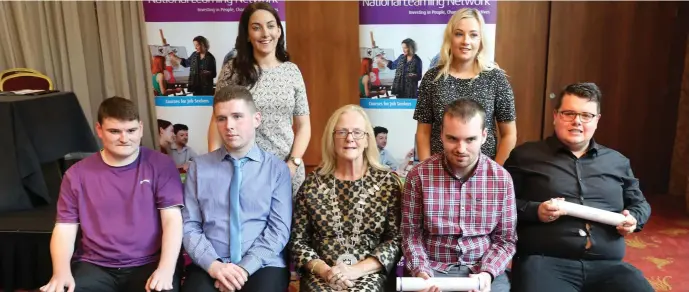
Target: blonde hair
(446, 57)
(329, 159)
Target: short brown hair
(202, 41)
(118, 108)
(465, 109)
(588, 91)
(234, 92)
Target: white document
(444, 284)
(27, 91)
(590, 213)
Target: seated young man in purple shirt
(238, 206)
(126, 202)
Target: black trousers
(203, 90)
(268, 279)
(92, 278)
(537, 273)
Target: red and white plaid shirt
(447, 221)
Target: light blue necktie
(235, 224)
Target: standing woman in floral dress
(262, 65)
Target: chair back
(11, 71)
(25, 80)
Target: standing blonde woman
(464, 72)
(345, 231)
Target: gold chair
(11, 71)
(25, 80)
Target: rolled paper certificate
(590, 213)
(444, 284)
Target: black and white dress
(491, 89)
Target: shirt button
(582, 232)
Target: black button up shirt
(601, 178)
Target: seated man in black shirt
(563, 253)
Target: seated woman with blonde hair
(345, 232)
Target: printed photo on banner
(189, 42)
(399, 42)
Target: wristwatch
(296, 160)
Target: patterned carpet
(661, 250)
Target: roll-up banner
(386, 29)
(184, 82)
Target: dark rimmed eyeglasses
(342, 134)
(569, 116)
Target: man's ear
(554, 116)
(99, 130)
(257, 119)
(141, 129)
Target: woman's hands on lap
(352, 272)
(339, 278)
(336, 279)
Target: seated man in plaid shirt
(458, 208)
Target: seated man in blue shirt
(238, 206)
(382, 141)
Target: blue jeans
(499, 284)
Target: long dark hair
(244, 63)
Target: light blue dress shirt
(435, 60)
(266, 204)
(387, 160)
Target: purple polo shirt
(118, 207)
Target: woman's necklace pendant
(347, 259)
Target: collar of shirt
(557, 146)
(254, 154)
(175, 147)
(477, 168)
